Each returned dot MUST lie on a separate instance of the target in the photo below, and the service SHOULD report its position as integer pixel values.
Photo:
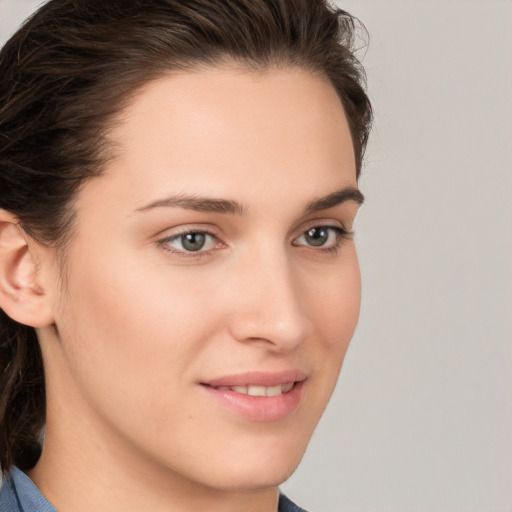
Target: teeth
(260, 390)
(256, 390)
(287, 387)
(273, 390)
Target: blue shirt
(19, 494)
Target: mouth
(259, 396)
(255, 390)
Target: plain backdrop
(421, 420)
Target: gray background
(421, 420)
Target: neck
(100, 479)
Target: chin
(251, 480)
(251, 472)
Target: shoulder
(8, 499)
(286, 505)
(19, 494)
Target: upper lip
(258, 378)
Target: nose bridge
(271, 305)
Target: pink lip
(258, 408)
(258, 379)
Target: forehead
(232, 132)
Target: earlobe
(21, 295)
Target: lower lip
(259, 408)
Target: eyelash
(340, 233)
(164, 243)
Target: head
(122, 110)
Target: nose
(269, 302)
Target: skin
(140, 323)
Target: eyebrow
(197, 203)
(336, 198)
(214, 205)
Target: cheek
(334, 302)
(345, 306)
(129, 329)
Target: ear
(21, 295)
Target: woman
(178, 277)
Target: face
(212, 282)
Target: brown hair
(72, 67)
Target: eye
(189, 242)
(324, 237)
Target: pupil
(317, 236)
(193, 241)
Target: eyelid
(187, 227)
(340, 233)
(325, 222)
(164, 242)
